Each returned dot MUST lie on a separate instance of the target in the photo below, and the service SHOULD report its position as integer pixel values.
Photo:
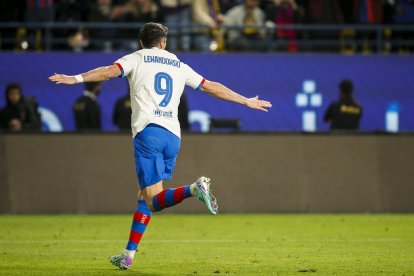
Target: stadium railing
(332, 38)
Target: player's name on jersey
(162, 60)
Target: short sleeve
(128, 63)
(192, 79)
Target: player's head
(346, 87)
(13, 93)
(94, 87)
(153, 35)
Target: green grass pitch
(253, 244)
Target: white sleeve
(128, 63)
(192, 79)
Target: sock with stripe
(140, 221)
(171, 197)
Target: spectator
(404, 14)
(177, 17)
(325, 12)
(345, 113)
(346, 11)
(284, 12)
(125, 11)
(134, 11)
(73, 11)
(101, 12)
(404, 11)
(12, 11)
(20, 113)
(101, 38)
(39, 11)
(122, 112)
(137, 11)
(250, 17)
(148, 11)
(86, 109)
(226, 5)
(183, 113)
(368, 11)
(206, 13)
(36, 12)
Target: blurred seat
(225, 125)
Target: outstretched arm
(222, 92)
(95, 75)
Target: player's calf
(170, 197)
(140, 221)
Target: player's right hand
(255, 103)
(60, 78)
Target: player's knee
(152, 209)
(150, 205)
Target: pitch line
(108, 241)
(202, 241)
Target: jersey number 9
(167, 91)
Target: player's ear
(163, 43)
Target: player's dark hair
(151, 34)
(91, 86)
(346, 87)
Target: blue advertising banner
(300, 87)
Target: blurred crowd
(21, 112)
(195, 24)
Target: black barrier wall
(94, 173)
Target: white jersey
(156, 80)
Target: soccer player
(157, 79)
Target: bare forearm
(97, 74)
(222, 92)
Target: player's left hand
(255, 103)
(60, 78)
